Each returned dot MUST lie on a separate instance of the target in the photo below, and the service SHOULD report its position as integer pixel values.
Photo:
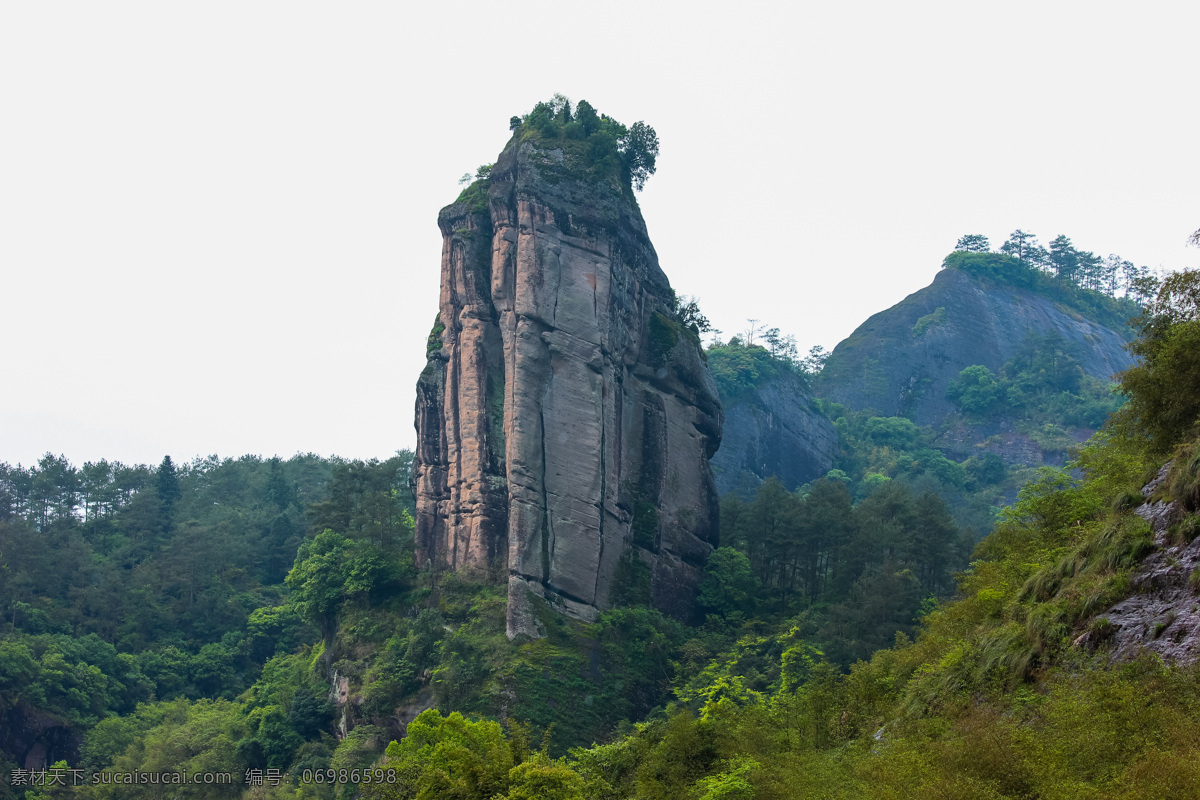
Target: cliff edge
(566, 416)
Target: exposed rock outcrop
(1163, 613)
(773, 429)
(900, 361)
(565, 419)
(959, 440)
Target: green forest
(912, 623)
(856, 641)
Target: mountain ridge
(976, 324)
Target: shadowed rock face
(900, 361)
(565, 420)
(35, 739)
(774, 430)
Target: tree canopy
(1112, 275)
(1164, 404)
(603, 144)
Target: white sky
(218, 220)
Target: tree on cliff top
(605, 145)
(973, 243)
(639, 152)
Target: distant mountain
(1044, 351)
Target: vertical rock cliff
(773, 429)
(566, 417)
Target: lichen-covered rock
(565, 418)
(773, 430)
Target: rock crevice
(560, 392)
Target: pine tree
(973, 243)
(1063, 257)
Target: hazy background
(218, 222)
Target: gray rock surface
(774, 430)
(960, 440)
(900, 368)
(1163, 614)
(561, 399)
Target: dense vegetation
(847, 576)
(589, 146)
(209, 616)
(1106, 290)
(1083, 268)
(991, 701)
(233, 596)
(606, 146)
(756, 356)
(1164, 402)
(133, 597)
(998, 697)
(1042, 389)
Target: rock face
(565, 419)
(1163, 613)
(774, 430)
(900, 361)
(959, 440)
(35, 739)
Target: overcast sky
(218, 220)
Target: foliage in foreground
(993, 700)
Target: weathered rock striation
(774, 430)
(565, 419)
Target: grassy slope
(993, 699)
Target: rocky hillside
(1065, 666)
(566, 417)
(1160, 615)
(981, 310)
